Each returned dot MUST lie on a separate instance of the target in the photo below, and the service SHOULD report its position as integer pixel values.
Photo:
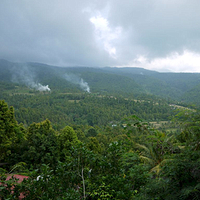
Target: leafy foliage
(89, 152)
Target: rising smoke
(23, 74)
(39, 87)
(78, 81)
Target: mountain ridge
(176, 86)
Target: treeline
(109, 80)
(84, 162)
(84, 109)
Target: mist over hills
(176, 86)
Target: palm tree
(155, 154)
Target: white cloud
(105, 34)
(187, 61)
(102, 33)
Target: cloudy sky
(161, 35)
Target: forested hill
(176, 86)
(98, 133)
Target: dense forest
(181, 87)
(91, 133)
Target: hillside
(111, 131)
(167, 85)
(115, 81)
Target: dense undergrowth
(127, 160)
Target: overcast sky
(161, 35)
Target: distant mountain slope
(181, 81)
(177, 86)
(5, 73)
(67, 79)
(192, 96)
(172, 85)
(112, 83)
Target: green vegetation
(84, 109)
(135, 162)
(181, 87)
(111, 143)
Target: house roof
(21, 178)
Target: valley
(125, 133)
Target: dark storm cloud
(160, 26)
(156, 34)
(47, 31)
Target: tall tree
(42, 144)
(66, 139)
(9, 129)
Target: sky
(161, 35)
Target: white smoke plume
(39, 87)
(84, 85)
(22, 74)
(78, 81)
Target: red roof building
(20, 177)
